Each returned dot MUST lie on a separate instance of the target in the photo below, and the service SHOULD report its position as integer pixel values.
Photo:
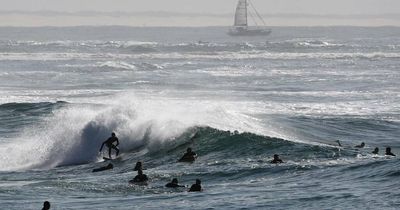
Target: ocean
(236, 101)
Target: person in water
(110, 144)
(189, 156)
(362, 145)
(46, 205)
(138, 166)
(174, 184)
(196, 187)
(389, 151)
(338, 142)
(140, 177)
(276, 159)
(376, 151)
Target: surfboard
(138, 183)
(106, 158)
(108, 167)
(188, 159)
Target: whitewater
(236, 101)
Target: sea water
(236, 101)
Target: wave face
(235, 101)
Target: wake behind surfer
(189, 156)
(110, 144)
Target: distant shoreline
(182, 27)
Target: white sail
(241, 13)
(241, 27)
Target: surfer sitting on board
(140, 178)
(110, 144)
(196, 187)
(138, 166)
(189, 156)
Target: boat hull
(250, 32)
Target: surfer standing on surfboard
(110, 144)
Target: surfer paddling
(110, 144)
(389, 152)
(189, 156)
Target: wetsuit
(276, 161)
(109, 166)
(173, 185)
(138, 167)
(188, 156)
(390, 153)
(195, 188)
(110, 144)
(140, 178)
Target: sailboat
(241, 27)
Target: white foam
(74, 134)
(118, 65)
(253, 54)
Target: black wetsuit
(195, 188)
(173, 185)
(276, 161)
(188, 156)
(110, 144)
(107, 167)
(390, 153)
(138, 167)
(140, 178)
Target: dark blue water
(235, 101)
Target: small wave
(30, 107)
(217, 55)
(227, 145)
(317, 43)
(15, 116)
(70, 43)
(308, 43)
(117, 65)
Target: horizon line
(197, 14)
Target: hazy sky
(266, 7)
